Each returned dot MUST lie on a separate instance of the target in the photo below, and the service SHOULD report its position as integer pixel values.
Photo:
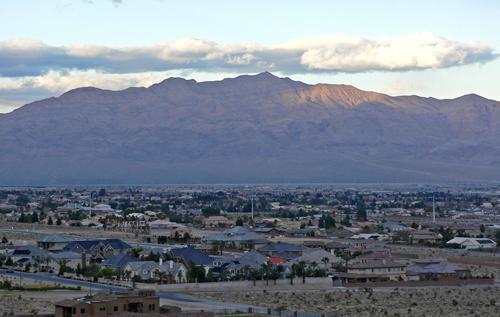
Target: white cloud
(412, 52)
(335, 53)
(59, 82)
(31, 69)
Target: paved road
(180, 299)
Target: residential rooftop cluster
(159, 236)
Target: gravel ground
(20, 302)
(428, 302)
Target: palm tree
(254, 274)
(277, 272)
(179, 276)
(161, 275)
(293, 270)
(346, 256)
(325, 261)
(224, 274)
(62, 266)
(38, 261)
(170, 278)
(128, 274)
(301, 270)
(119, 274)
(266, 267)
(246, 272)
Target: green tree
(497, 236)
(34, 217)
(482, 228)
(196, 274)
(361, 213)
(50, 222)
(254, 275)
(4, 240)
(239, 222)
(346, 221)
(9, 261)
(447, 234)
(22, 218)
(329, 222)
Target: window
(102, 308)
(115, 308)
(82, 311)
(74, 310)
(124, 307)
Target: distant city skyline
(444, 49)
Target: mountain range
(249, 129)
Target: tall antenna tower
(433, 209)
(252, 207)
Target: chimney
(171, 264)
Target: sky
(442, 49)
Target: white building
(473, 243)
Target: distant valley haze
(249, 129)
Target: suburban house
(175, 271)
(237, 237)
(189, 255)
(55, 243)
(282, 248)
(305, 232)
(425, 237)
(370, 236)
(374, 271)
(430, 269)
(473, 243)
(118, 262)
(145, 270)
(142, 301)
(319, 257)
(316, 244)
(99, 250)
(270, 231)
(390, 226)
(168, 229)
(217, 221)
(249, 260)
(27, 252)
(335, 247)
(70, 259)
(387, 269)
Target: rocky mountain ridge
(249, 129)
